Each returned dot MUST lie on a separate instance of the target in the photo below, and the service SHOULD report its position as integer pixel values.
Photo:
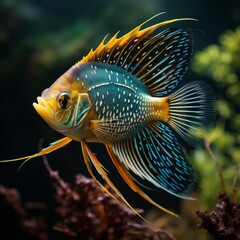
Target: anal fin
(155, 155)
(128, 179)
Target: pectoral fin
(53, 147)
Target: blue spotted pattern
(160, 159)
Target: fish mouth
(43, 108)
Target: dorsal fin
(159, 60)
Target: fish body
(121, 104)
(126, 95)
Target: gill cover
(82, 108)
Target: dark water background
(40, 40)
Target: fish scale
(122, 102)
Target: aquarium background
(40, 40)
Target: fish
(129, 94)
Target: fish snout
(43, 108)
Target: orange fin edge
(51, 148)
(137, 31)
(128, 179)
(88, 152)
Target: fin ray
(192, 111)
(159, 61)
(155, 155)
(88, 154)
(87, 162)
(128, 179)
(52, 147)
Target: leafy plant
(221, 62)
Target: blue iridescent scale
(120, 100)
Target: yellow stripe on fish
(126, 95)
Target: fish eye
(63, 100)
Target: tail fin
(192, 111)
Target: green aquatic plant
(221, 62)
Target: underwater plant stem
(217, 165)
(235, 180)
